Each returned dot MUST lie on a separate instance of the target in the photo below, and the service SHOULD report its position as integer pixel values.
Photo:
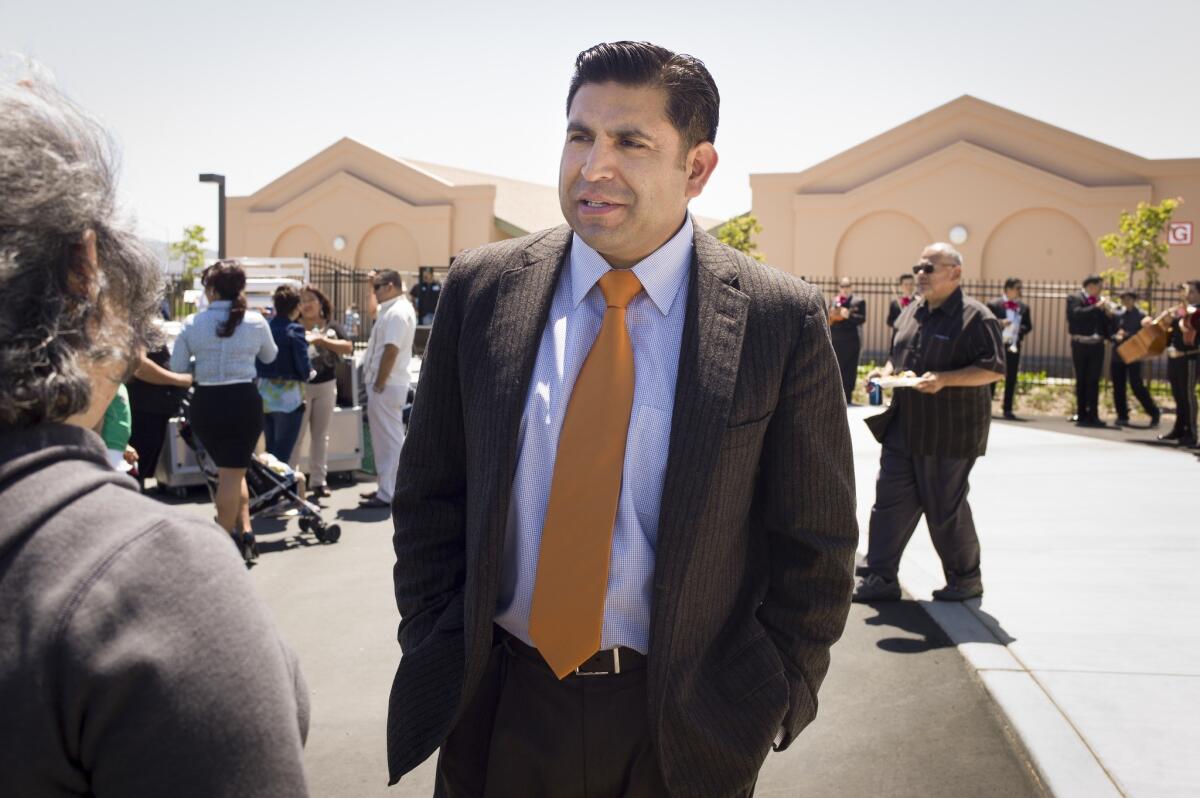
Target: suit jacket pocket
(755, 665)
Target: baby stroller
(273, 486)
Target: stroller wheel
(304, 523)
(318, 530)
(333, 533)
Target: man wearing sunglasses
(385, 368)
(933, 431)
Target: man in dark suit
(1088, 322)
(1016, 321)
(905, 283)
(846, 317)
(1126, 324)
(720, 513)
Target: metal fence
(1045, 351)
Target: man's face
(1128, 302)
(624, 180)
(385, 290)
(427, 277)
(1192, 295)
(845, 289)
(1092, 289)
(939, 284)
(1014, 293)
(906, 286)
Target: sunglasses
(924, 268)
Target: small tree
(1140, 243)
(190, 249)
(739, 233)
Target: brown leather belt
(606, 662)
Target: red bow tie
(843, 301)
(1010, 305)
(904, 300)
(1091, 300)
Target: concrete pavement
(1087, 635)
(902, 713)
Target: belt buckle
(616, 654)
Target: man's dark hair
(1195, 284)
(1092, 279)
(390, 276)
(1012, 282)
(904, 276)
(1129, 292)
(286, 299)
(693, 103)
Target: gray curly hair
(57, 317)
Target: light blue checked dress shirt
(655, 323)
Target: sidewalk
(1087, 636)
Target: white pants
(319, 401)
(385, 415)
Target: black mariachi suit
(1088, 355)
(1012, 360)
(1123, 374)
(1181, 374)
(894, 311)
(847, 339)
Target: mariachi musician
(846, 317)
(1016, 321)
(1182, 352)
(1088, 322)
(906, 287)
(1126, 324)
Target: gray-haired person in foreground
(135, 657)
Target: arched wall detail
(295, 241)
(1039, 244)
(880, 244)
(388, 246)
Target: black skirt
(228, 420)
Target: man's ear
(700, 163)
(84, 268)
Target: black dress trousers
(1129, 375)
(526, 733)
(1181, 374)
(847, 346)
(909, 485)
(1089, 366)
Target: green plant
(190, 249)
(739, 233)
(1140, 243)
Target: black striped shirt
(960, 333)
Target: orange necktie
(572, 572)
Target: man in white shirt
(385, 368)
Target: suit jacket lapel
(709, 357)
(513, 338)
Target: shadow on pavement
(907, 616)
(365, 514)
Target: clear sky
(251, 89)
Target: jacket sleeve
(181, 354)
(893, 314)
(807, 507)
(428, 505)
(267, 349)
(858, 313)
(299, 345)
(175, 680)
(1026, 319)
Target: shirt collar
(661, 272)
(390, 302)
(221, 303)
(952, 304)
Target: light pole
(220, 181)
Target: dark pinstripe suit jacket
(753, 570)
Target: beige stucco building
(371, 210)
(1032, 198)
